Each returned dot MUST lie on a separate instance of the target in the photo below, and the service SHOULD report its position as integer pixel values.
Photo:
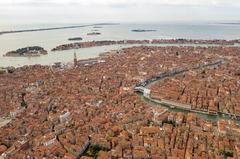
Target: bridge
(146, 92)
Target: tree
(24, 104)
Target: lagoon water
(50, 39)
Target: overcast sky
(91, 11)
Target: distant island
(94, 33)
(42, 29)
(27, 52)
(75, 39)
(88, 44)
(55, 28)
(142, 30)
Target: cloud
(28, 11)
(127, 2)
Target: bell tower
(75, 59)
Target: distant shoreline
(54, 28)
(87, 44)
(237, 23)
(143, 30)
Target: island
(31, 51)
(75, 39)
(56, 28)
(87, 44)
(94, 33)
(142, 30)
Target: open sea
(50, 39)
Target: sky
(130, 11)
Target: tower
(75, 59)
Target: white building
(63, 117)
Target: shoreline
(88, 44)
(106, 46)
